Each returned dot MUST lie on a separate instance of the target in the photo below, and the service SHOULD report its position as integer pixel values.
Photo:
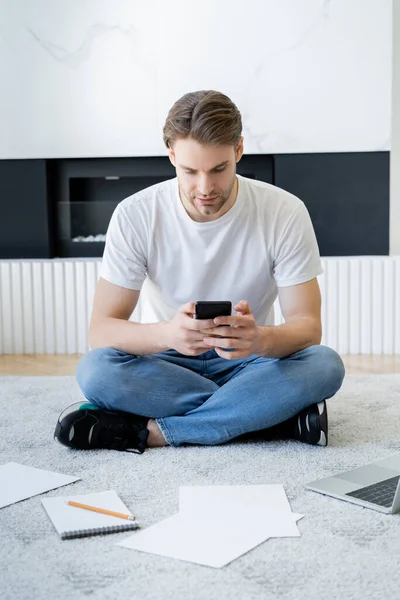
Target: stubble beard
(215, 208)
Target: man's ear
(239, 149)
(171, 155)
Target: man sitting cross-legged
(208, 234)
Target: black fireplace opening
(86, 191)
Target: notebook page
(18, 482)
(67, 518)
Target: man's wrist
(163, 337)
(266, 336)
(277, 341)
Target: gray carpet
(345, 551)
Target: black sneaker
(86, 427)
(311, 425)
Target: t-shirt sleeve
(297, 258)
(124, 260)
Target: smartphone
(212, 309)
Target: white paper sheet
(265, 505)
(18, 482)
(258, 505)
(196, 541)
(219, 498)
(218, 524)
(272, 496)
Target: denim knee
(331, 366)
(91, 371)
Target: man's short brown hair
(207, 116)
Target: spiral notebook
(72, 522)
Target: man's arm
(301, 309)
(110, 327)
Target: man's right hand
(184, 333)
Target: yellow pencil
(101, 510)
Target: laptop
(375, 485)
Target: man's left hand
(243, 336)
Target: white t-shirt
(265, 241)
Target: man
(209, 234)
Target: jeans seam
(165, 431)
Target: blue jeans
(207, 399)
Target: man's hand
(185, 334)
(244, 336)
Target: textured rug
(345, 551)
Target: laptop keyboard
(381, 493)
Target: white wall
(97, 78)
(395, 153)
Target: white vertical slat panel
(321, 282)
(71, 309)
(377, 306)
(97, 275)
(81, 307)
(354, 321)
(27, 308)
(343, 292)
(91, 282)
(331, 286)
(366, 307)
(59, 307)
(8, 341)
(38, 307)
(389, 316)
(137, 315)
(278, 317)
(43, 310)
(17, 314)
(49, 319)
(98, 269)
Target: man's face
(206, 177)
